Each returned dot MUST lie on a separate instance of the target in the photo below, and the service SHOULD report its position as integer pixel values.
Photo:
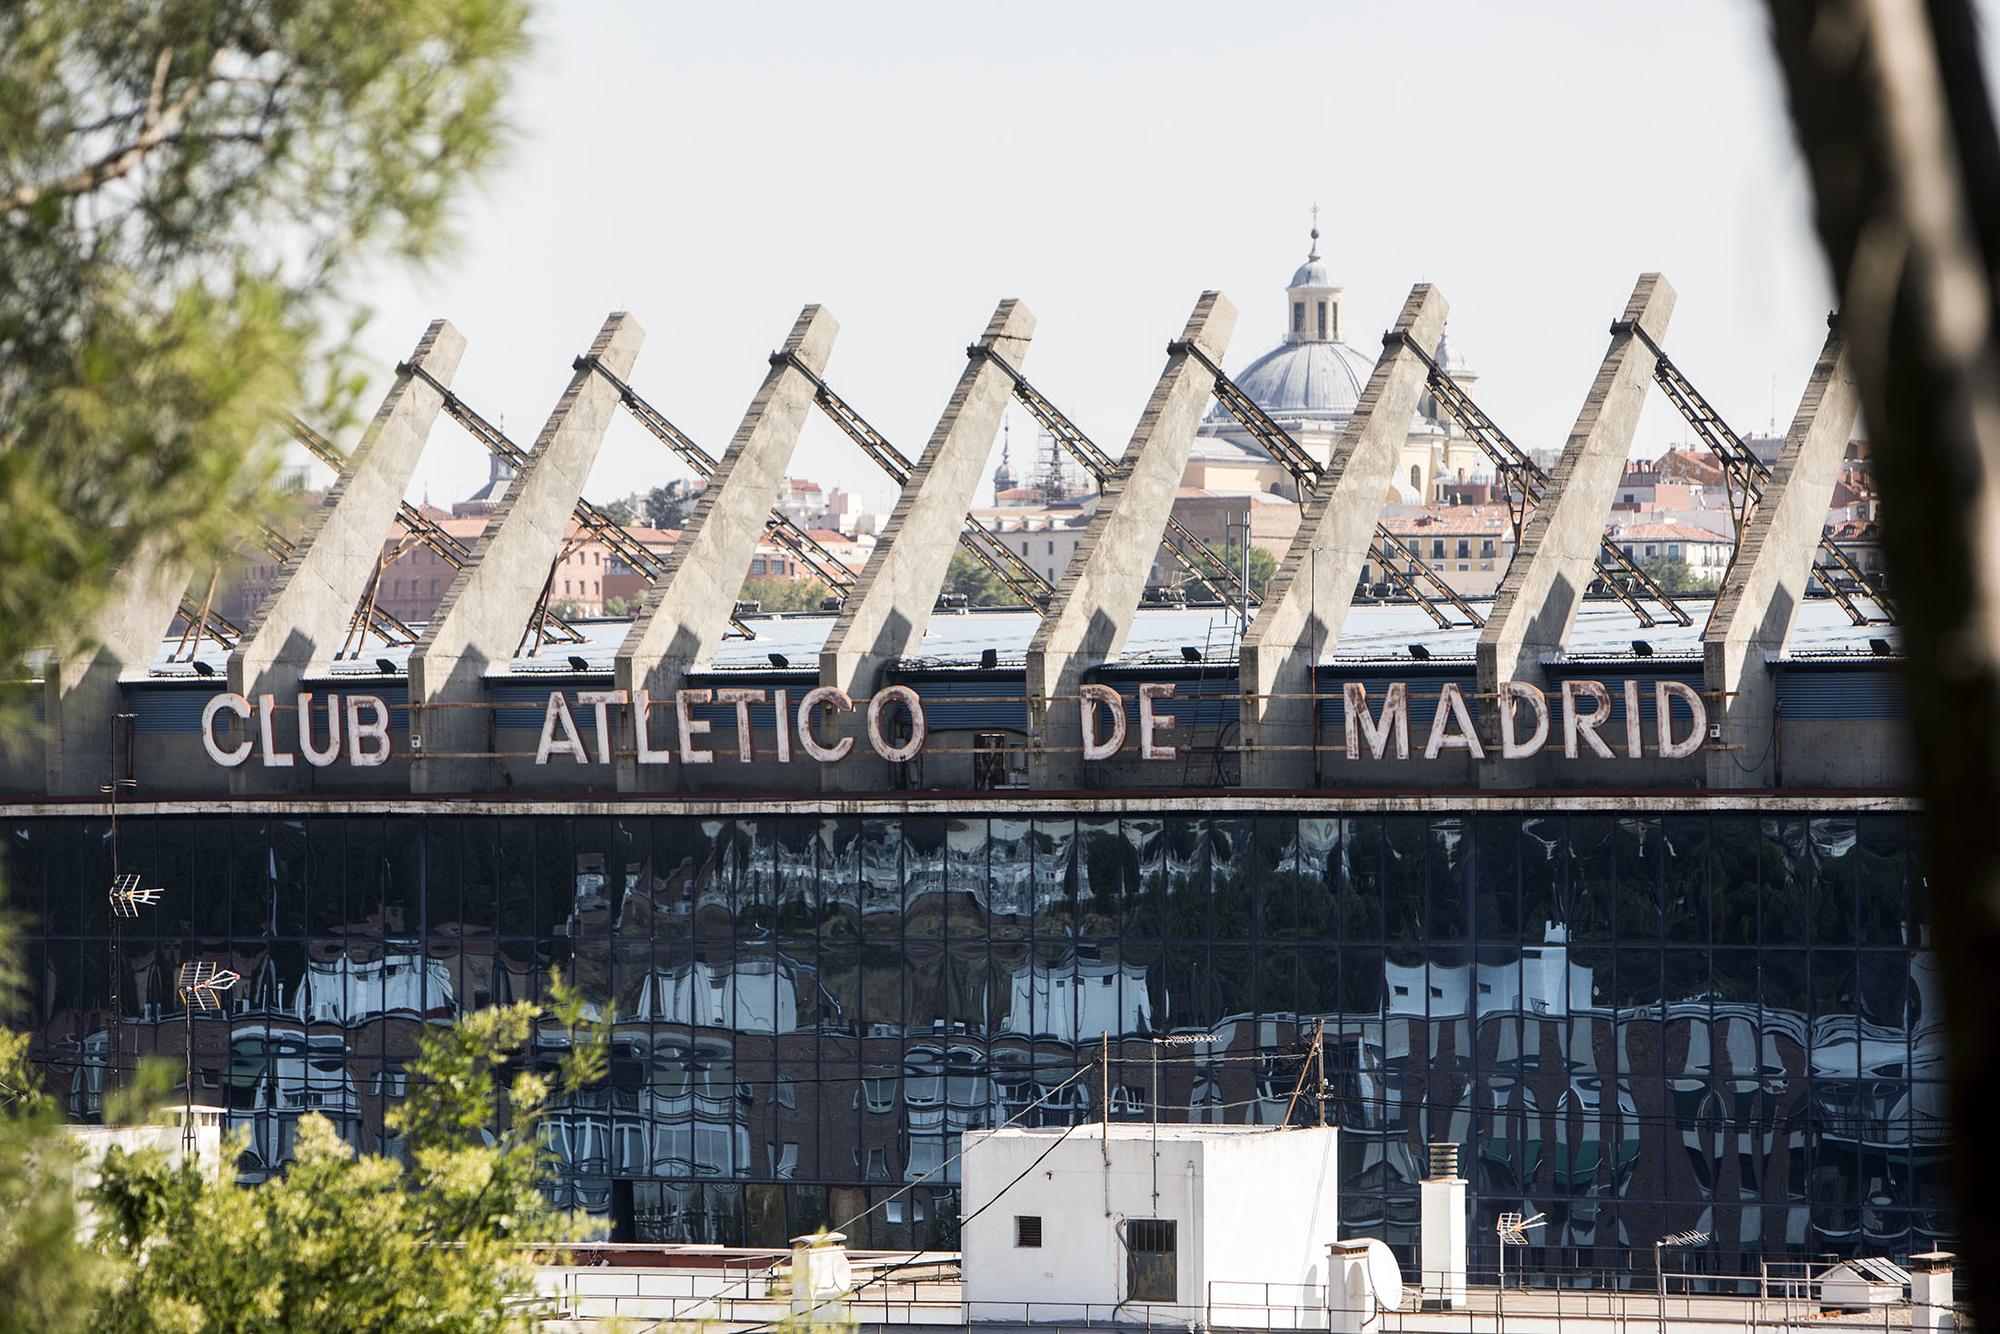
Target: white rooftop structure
(1138, 1222)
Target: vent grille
(1028, 1230)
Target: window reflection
(1629, 1021)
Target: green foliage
(775, 594)
(444, 1241)
(186, 189)
(669, 506)
(982, 588)
(48, 1277)
(622, 511)
(1672, 574)
(1262, 566)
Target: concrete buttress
(480, 621)
(308, 612)
(687, 610)
(884, 618)
(1098, 595)
(1765, 585)
(1535, 607)
(1313, 587)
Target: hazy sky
(713, 167)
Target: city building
(1468, 546)
(1651, 946)
(1705, 552)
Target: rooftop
(1373, 633)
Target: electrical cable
(998, 1196)
(754, 1329)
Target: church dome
(1310, 380)
(1312, 375)
(1312, 273)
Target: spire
(1313, 254)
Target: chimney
(1442, 1201)
(821, 1277)
(1930, 1291)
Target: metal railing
(739, 1299)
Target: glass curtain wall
(1632, 1023)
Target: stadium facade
(1619, 893)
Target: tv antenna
(1512, 1229)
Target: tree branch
(159, 127)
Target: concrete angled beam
(309, 610)
(1535, 607)
(480, 620)
(886, 614)
(1313, 587)
(1095, 602)
(687, 610)
(1759, 600)
(80, 692)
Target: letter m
(1377, 729)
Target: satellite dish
(1384, 1274)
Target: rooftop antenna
(125, 896)
(201, 986)
(1674, 1240)
(1512, 1229)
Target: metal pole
(1660, 1280)
(187, 1108)
(1156, 1127)
(1319, 1054)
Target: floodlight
(779, 660)
(385, 666)
(1420, 653)
(1641, 649)
(989, 658)
(579, 663)
(1881, 648)
(126, 896)
(203, 669)
(1189, 653)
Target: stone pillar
(1760, 597)
(1094, 603)
(687, 609)
(81, 693)
(484, 613)
(885, 616)
(312, 605)
(1535, 608)
(1309, 595)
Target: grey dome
(1309, 380)
(1312, 273)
